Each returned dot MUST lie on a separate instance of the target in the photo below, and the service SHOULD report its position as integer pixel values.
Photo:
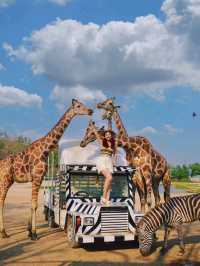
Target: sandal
(104, 201)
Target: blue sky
(145, 52)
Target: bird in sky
(194, 114)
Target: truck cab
(72, 202)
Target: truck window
(92, 185)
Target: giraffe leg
(34, 204)
(5, 184)
(29, 227)
(139, 184)
(156, 190)
(142, 199)
(148, 180)
(166, 185)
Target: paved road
(52, 247)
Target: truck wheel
(45, 213)
(51, 220)
(70, 234)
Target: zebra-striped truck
(72, 202)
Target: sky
(144, 52)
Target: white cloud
(145, 131)
(63, 94)
(60, 2)
(10, 95)
(144, 56)
(172, 130)
(183, 19)
(6, 3)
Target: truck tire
(70, 233)
(51, 219)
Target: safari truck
(72, 202)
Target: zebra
(175, 212)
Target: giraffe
(160, 172)
(151, 165)
(30, 165)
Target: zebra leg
(166, 236)
(166, 185)
(179, 229)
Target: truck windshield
(92, 186)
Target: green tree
(195, 169)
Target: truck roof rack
(89, 168)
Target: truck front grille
(114, 221)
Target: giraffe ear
(91, 122)
(74, 101)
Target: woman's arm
(96, 133)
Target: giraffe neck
(122, 131)
(109, 124)
(52, 138)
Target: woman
(105, 161)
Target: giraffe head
(89, 134)
(109, 107)
(80, 109)
(107, 104)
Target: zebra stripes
(90, 206)
(92, 168)
(93, 208)
(117, 220)
(174, 213)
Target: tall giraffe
(30, 165)
(137, 155)
(152, 165)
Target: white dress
(104, 162)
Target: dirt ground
(52, 247)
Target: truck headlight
(88, 221)
(137, 219)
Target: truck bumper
(83, 239)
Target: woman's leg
(107, 184)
